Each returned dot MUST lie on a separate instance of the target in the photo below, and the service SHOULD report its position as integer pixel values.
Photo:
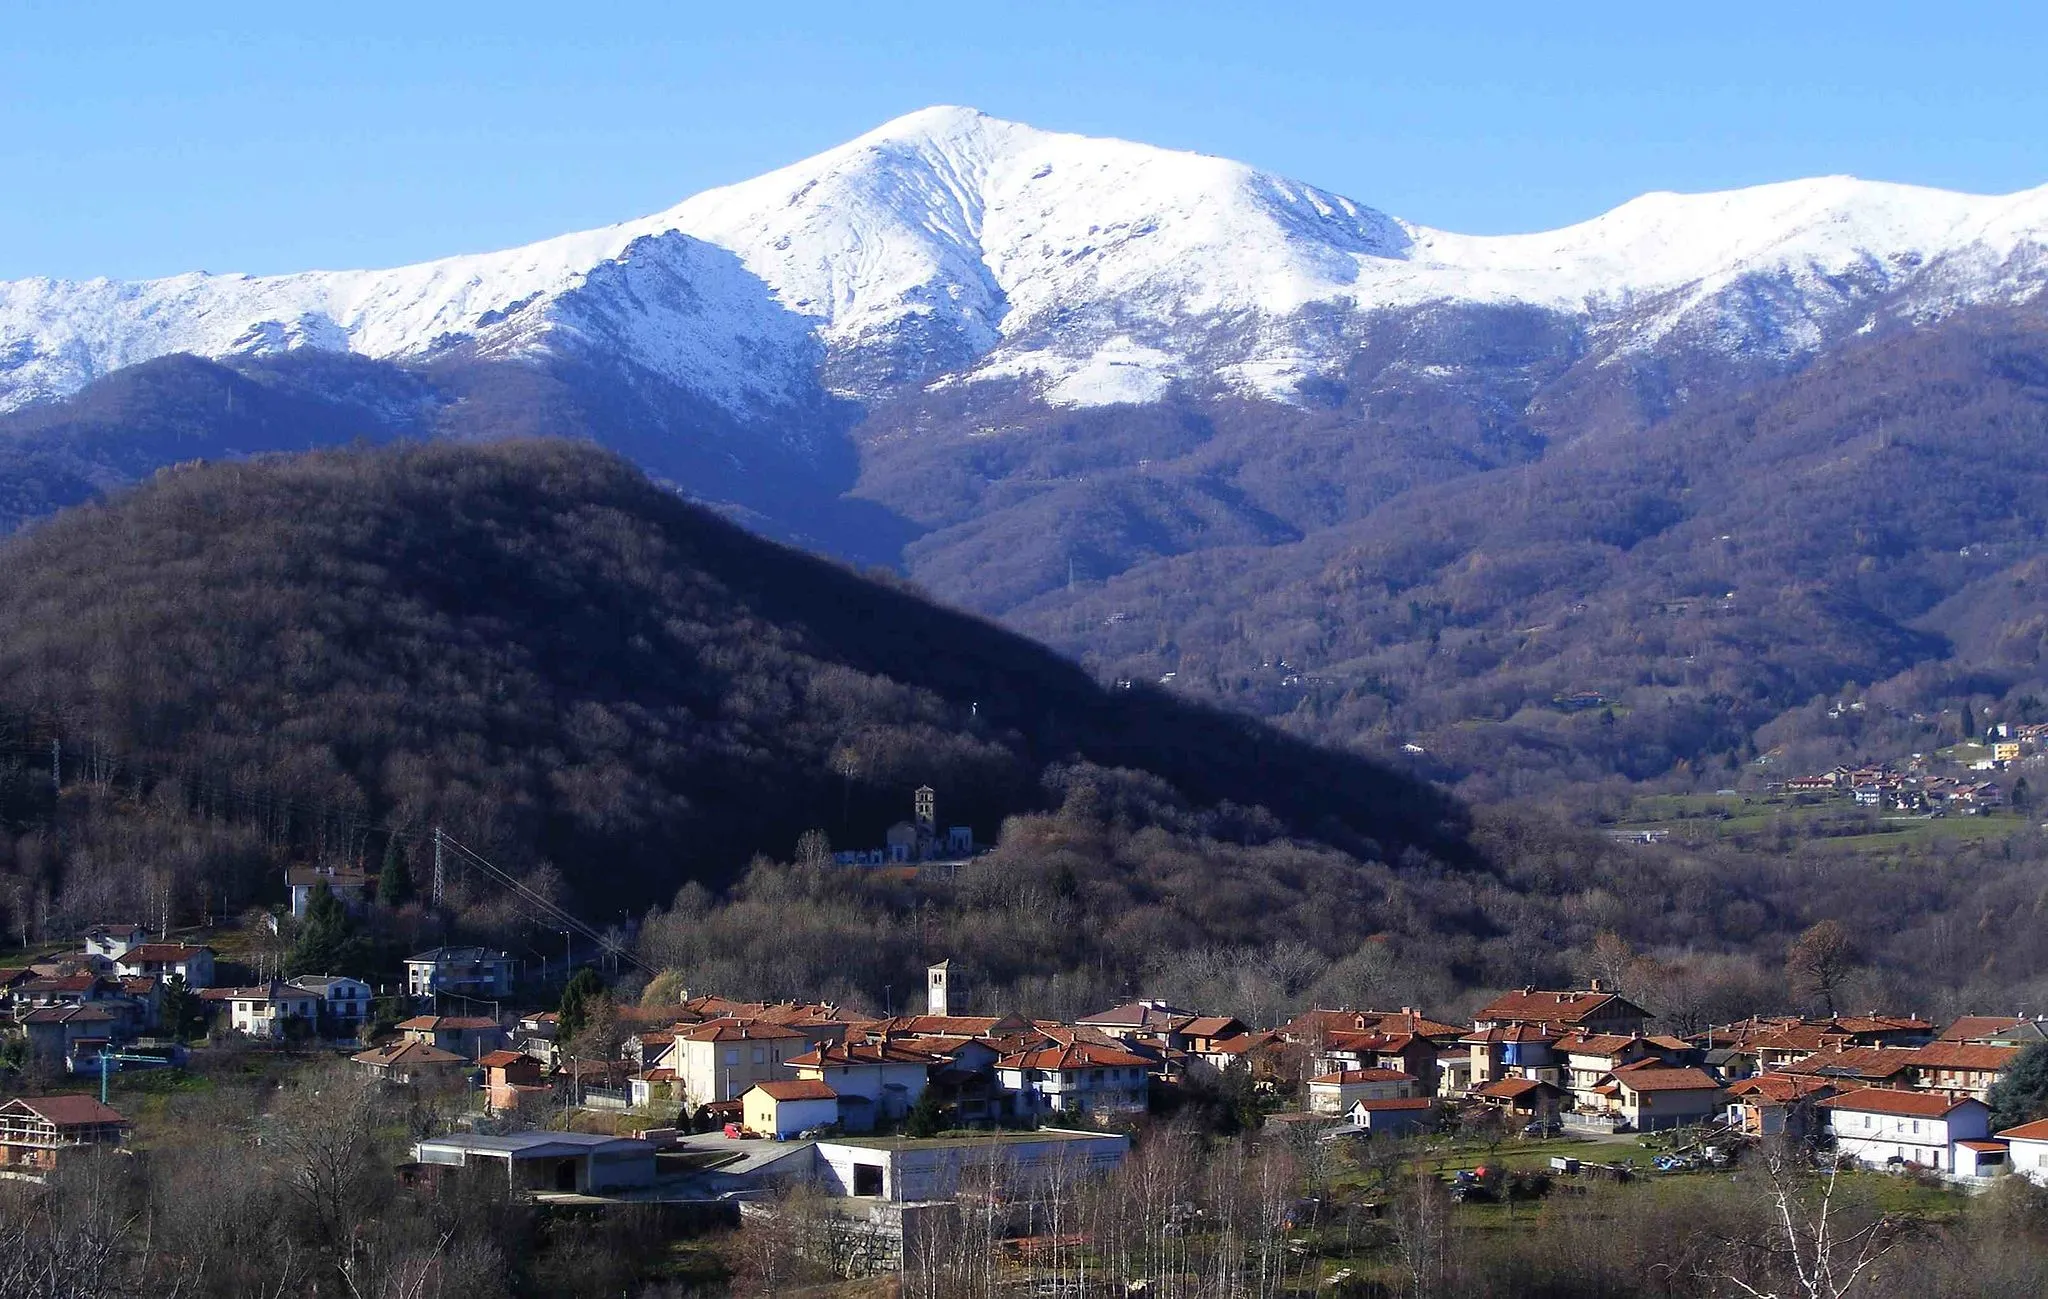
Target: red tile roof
(1310, 1022)
(1081, 1055)
(2035, 1131)
(1962, 1055)
(796, 1090)
(1780, 1087)
(1508, 1089)
(1244, 1043)
(408, 1052)
(1885, 1100)
(1393, 1103)
(499, 1059)
(448, 1023)
(68, 1111)
(1666, 1080)
(1531, 1006)
(1854, 1062)
(1345, 1077)
(1971, 1028)
(166, 952)
(736, 1030)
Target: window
(760, 1055)
(732, 1055)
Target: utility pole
(438, 877)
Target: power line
(547, 907)
(223, 791)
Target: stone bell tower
(938, 992)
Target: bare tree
(322, 1136)
(1820, 963)
(1809, 1243)
(1422, 1231)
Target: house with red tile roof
(1407, 1052)
(1513, 1050)
(1587, 1059)
(1405, 1114)
(719, 1059)
(1310, 1025)
(1850, 1066)
(1077, 1078)
(513, 1080)
(191, 962)
(785, 1108)
(1882, 1127)
(2028, 1147)
(1591, 1010)
(37, 1131)
(413, 1064)
(1523, 1098)
(469, 1036)
(875, 1082)
(1960, 1068)
(1650, 1097)
(1771, 1103)
(1334, 1093)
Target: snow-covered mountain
(950, 247)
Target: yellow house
(2006, 751)
(785, 1108)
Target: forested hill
(535, 646)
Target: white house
(1334, 1093)
(1881, 1127)
(461, 971)
(721, 1059)
(190, 962)
(265, 1011)
(352, 887)
(1077, 1079)
(1393, 1116)
(787, 1107)
(344, 1002)
(111, 942)
(2027, 1150)
(873, 1081)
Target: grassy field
(1830, 825)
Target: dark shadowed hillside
(533, 645)
(1872, 519)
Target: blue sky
(149, 139)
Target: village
(898, 1121)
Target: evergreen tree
(574, 1012)
(183, 1013)
(394, 884)
(1969, 721)
(2021, 1095)
(327, 940)
(926, 1118)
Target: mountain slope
(534, 646)
(1875, 520)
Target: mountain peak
(949, 245)
(936, 121)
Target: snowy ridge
(949, 246)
